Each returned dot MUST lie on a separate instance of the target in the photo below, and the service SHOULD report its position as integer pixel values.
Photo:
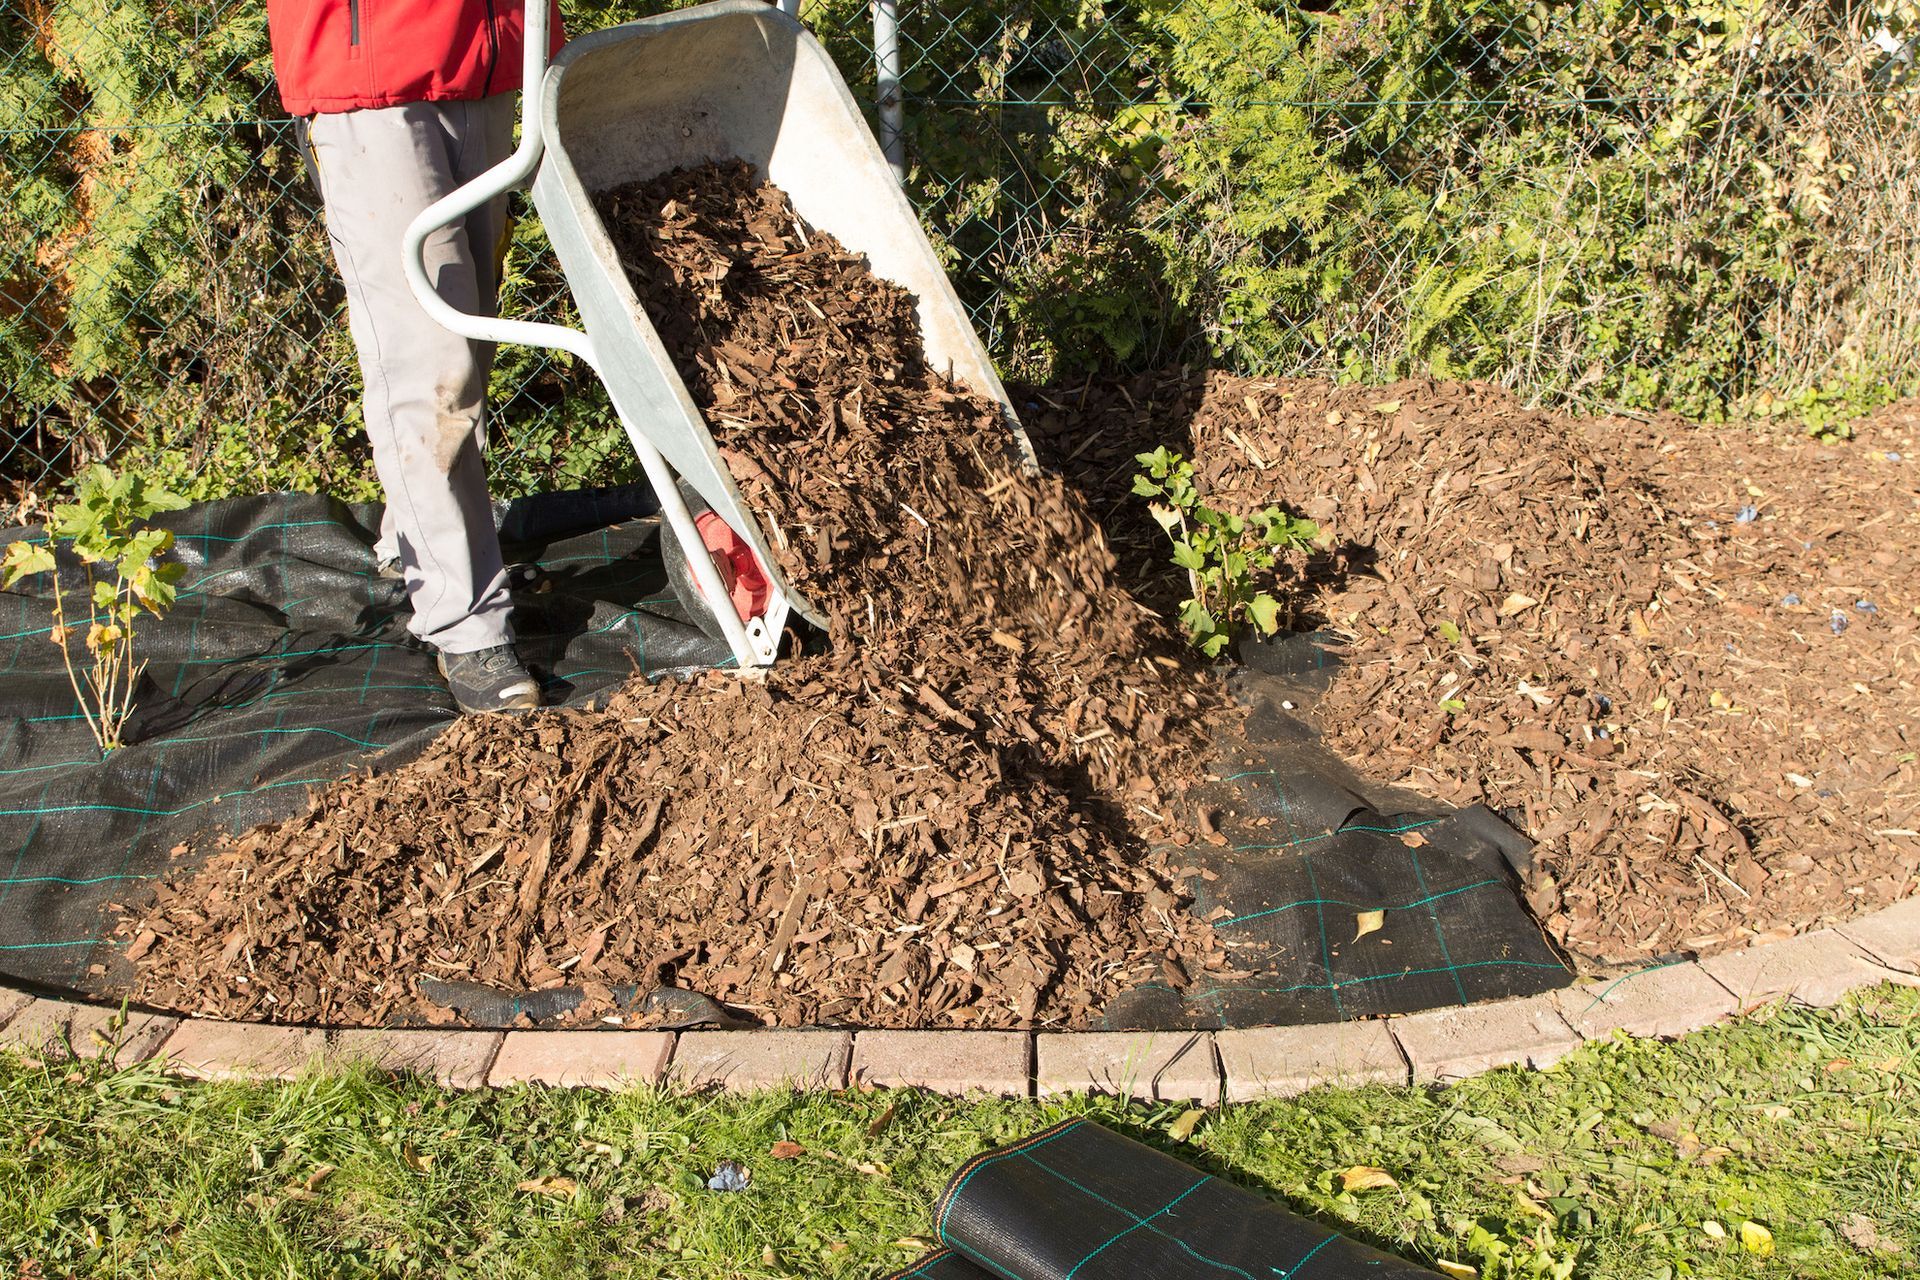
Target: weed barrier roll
(1080, 1202)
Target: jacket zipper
(493, 49)
(353, 22)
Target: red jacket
(343, 55)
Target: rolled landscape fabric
(1078, 1201)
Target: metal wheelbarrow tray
(734, 79)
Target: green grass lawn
(1784, 1145)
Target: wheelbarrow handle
(509, 175)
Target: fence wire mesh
(1707, 206)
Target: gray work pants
(426, 388)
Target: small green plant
(120, 559)
(1221, 553)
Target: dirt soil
(946, 818)
(1682, 659)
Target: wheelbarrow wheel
(739, 569)
(680, 575)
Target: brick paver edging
(1815, 968)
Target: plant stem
(66, 657)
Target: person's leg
(483, 137)
(425, 386)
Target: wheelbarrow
(734, 79)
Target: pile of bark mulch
(944, 818)
(1681, 658)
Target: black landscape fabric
(1080, 1202)
(286, 664)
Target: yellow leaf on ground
(1388, 407)
(1458, 1270)
(1529, 1205)
(1369, 922)
(548, 1186)
(1714, 1229)
(1182, 1129)
(1365, 1177)
(1756, 1239)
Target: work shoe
(489, 680)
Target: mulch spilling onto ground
(946, 818)
(1682, 659)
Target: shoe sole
(519, 703)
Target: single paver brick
(1266, 1062)
(1815, 968)
(56, 1029)
(454, 1059)
(241, 1050)
(1452, 1044)
(745, 1060)
(1668, 1001)
(582, 1059)
(950, 1062)
(1891, 934)
(1161, 1065)
(12, 1002)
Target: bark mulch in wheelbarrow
(1683, 659)
(944, 819)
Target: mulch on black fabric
(988, 804)
(949, 817)
(1681, 658)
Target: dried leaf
(548, 1186)
(1458, 1270)
(1182, 1129)
(784, 1150)
(1369, 922)
(1365, 1177)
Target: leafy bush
(105, 527)
(1226, 556)
(1645, 203)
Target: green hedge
(1706, 207)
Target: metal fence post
(886, 57)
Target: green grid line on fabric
(1138, 1221)
(1358, 906)
(1326, 949)
(1415, 825)
(160, 813)
(1118, 1236)
(1439, 933)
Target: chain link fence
(1705, 206)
